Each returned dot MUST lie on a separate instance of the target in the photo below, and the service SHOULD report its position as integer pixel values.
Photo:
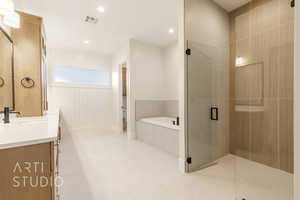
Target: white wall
(297, 103)
(81, 107)
(147, 71)
(146, 77)
(182, 85)
(171, 64)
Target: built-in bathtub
(159, 132)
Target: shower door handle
(293, 3)
(214, 113)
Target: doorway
(124, 93)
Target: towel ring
(27, 82)
(2, 82)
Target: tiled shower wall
(261, 82)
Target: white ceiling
(230, 5)
(147, 20)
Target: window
(81, 76)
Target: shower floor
(107, 166)
(251, 180)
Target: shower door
(200, 109)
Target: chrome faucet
(6, 113)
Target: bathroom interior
(204, 109)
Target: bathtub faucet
(176, 122)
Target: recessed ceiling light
(101, 9)
(86, 41)
(171, 31)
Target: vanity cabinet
(30, 172)
(55, 151)
(30, 75)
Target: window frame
(81, 85)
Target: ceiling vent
(91, 20)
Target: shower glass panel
(261, 101)
(200, 136)
(249, 78)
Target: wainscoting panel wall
(83, 107)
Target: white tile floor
(109, 167)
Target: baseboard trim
(117, 129)
(181, 165)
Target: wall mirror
(6, 71)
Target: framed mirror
(6, 71)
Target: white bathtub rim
(151, 120)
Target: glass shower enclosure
(201, 108)
(239, 83)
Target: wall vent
(91, 20)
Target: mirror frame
(12, 66)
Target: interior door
(201, 111)
(124, 97)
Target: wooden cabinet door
(23, 173)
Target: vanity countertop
(29, 130)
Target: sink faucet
(6, 113)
